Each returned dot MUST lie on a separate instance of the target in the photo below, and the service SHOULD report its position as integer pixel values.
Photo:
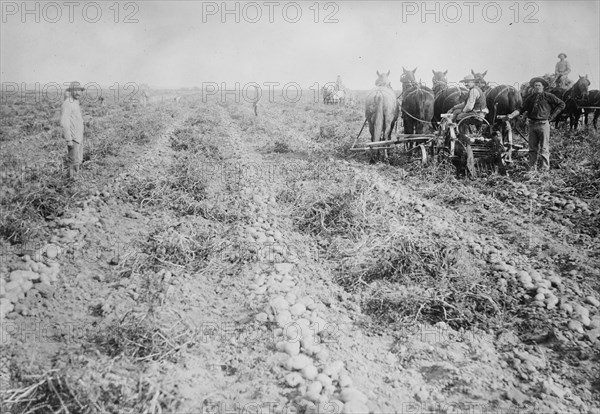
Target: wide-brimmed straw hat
(562, 54)
(75, 86)
(468, 78)
(537, 79)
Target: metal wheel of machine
(484, 122)
(415, 155)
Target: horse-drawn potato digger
(472, 145)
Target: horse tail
(514, 100)
(418, 106)
(378, 129)
(419, 110)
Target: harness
(412, 92)
(495, 103)
(415, 118)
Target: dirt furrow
(243, 263)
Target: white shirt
(72, 121)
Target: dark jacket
(542, 107)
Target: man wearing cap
(541, 108)
(474, 104)
(562, 69)
(72, 124)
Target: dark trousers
(539, 144)
(74, 158)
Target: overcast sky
(186, 43)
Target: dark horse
(500, 99)
(381, 110)
(503, 100)
(445, 96)
(417, 103)
(593, 99)
(480, 81)
(574, 97)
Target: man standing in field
(255, 98)
(339, 86)
(541, 109)
(72, 125)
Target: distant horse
(381, 110)
(593, 99)
(417, 103)
(331, 94)
(573, 97)
(144, 98)
(445, 96)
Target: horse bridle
(437, 83)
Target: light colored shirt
(72, 120)
(562, 68)
(475, 96)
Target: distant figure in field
(144, 98)
(72, 124)
(562, 70)
(339, 86)
(255, 107)
(255, 98)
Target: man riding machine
(473, 110)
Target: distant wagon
(331, 95)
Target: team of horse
(422, 106)
(574, 98)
